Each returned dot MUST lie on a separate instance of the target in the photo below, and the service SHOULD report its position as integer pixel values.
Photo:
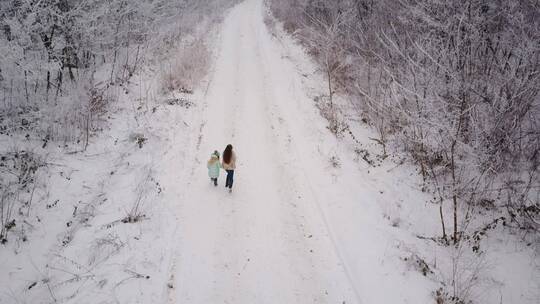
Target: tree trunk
(454, 198)
(26, 86)
(329, 75)
(48, 86)
(442, 220)
(87, 139)
(112, 68)
(453, 164)
(58, 84)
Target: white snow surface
(297, 227)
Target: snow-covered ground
(308, 220)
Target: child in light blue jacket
(213, 167)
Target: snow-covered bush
(188, 68)
(18, 169)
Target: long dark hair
(227, 154)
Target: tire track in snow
(291, 144)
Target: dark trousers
(229, 180)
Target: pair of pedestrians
(228, 164)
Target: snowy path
(255, 245)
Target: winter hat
(216, 153)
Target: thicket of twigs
(60, 59)
(454, 84)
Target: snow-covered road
(254, 245)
